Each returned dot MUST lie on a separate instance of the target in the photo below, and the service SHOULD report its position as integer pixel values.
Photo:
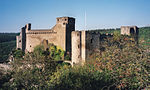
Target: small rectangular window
(78, 46)
(91, 40)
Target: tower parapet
(65, 20)
(28, 27)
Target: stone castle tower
(84, 43)
(129, 30)
(59, 35)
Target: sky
(100, 14)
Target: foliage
(56, 53)
(80, 78)
(116, 35)
(31, 73)
(67, 57)
(128, 63)
(33, 70)
(7, 43)
(5, 49)
(144, 36)
(18, 54)
(39, 50)
(104, 31)
(52, 52)
(6, 37)
(4, 77)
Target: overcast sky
(14, 14)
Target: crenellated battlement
(65, 20)
(41, 33)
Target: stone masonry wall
(84, 44)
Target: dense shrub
(31, 73)
(4, 77)
(129, 64)
(80, 78)
(56, 53)
(18, 54)
(144, 36)
(39, 50)
(53, 52)
(32, 70)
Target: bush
(56, 53)
(39, 50)
(80, 78)
(31, 73)
(52, 52)
(18, 54)
(128, 63)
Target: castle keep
(80, 44)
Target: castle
(80, 44)
(59, 35)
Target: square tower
(68, 23)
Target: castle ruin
(80, 44)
